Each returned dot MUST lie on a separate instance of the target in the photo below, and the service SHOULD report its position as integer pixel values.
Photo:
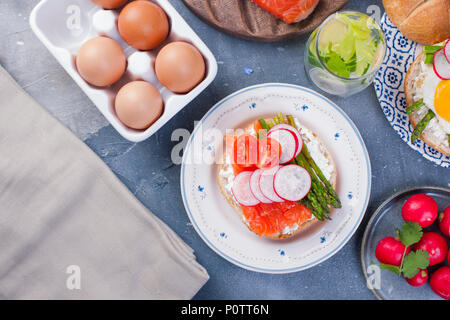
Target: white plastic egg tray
(65, 25)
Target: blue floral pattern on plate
(388, 84)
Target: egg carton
(65, 25)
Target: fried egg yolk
(442, 100)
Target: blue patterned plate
(400, 54)
(217, 223)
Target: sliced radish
(292, 182)
(447, 50)
(294, 131)
(266, 184)
(288, 142)
(255, 189)
(441, 65)
(241, 189)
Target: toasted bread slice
(413, 82)
(225, 181)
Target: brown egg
(101, 61)
(143, 25)
(138, 105)
(109, 4)
(180, 67)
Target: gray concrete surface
(146, 167)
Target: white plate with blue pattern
(217, 223)
(389, 86)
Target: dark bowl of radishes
(405, 249)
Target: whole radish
(419, 279)
(440, 282)
(435, 245)
(420, 208)
(444, 222)
(390, 251)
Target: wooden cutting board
(244, 19)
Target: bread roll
(424, 21)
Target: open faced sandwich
(278, 176)
(427, 90)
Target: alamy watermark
(373, 276)
(73, 21)
(73, 281)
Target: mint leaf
(391, 268)
(410, 233)
(337, 65)
(414, 262)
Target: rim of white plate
(339, 246)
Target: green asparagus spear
(329, 199)
(321, 176)
(276, 120)
(317, 201)
(264, 124)
(429, 53)
(281, 118)
(416, 106)
(429, 57)
(316, 183)
(262, 133)
(432, 49)
(317, 208)
(307, 204)
(319, 193)
(332, 193)
(422, 125)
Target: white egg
(430, 84)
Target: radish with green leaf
(435, 245)
(419, 279)
(390, 251)
(411, 263)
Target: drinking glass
(344, 53)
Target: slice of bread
(224, 182)
(413, 82)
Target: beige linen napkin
(69, 229)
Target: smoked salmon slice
(268, 219)
(289, 11)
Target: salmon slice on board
(289, 11)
